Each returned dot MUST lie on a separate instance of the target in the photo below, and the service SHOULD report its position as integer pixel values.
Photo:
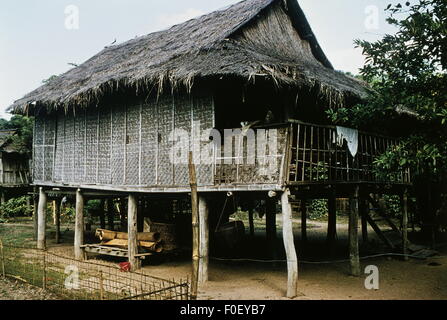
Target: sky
(41, 38)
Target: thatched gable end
(267, 38)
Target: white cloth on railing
(352, 138)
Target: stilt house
(123, 122)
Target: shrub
(15, 207)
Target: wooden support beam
(303, 209)
(79, 226)
(35, 213)
(41, 217)
(102, 215)
(270, 222)
(57, 214)
(122, 206)
(404, 200)
(110, 215)
(364, 212)
(332, 220)
(132, 211)
(251, 222)
(353, 233)
(195, 228)
(204, 240)
(289, 245)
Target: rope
(326, 262)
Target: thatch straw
(230, 42)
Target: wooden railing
(14, 178)
(315, 156)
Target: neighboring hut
(112, 126)
(14, 167)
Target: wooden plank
(353, 233)
(41, 220)
(292, 259)
(79, 226)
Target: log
(353, 233)
(79, 226)
(151, 246)
(289, 245)
(132, 233)
(41, 217)
(105, 235)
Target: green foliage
(15, 207)
(318, 209)
(407, 71)
(23, 141)
(393, 206)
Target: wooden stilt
(251, 222)
(303, 209)
(79, 226)
(270, 221)
(123, 214)
(57, 214)
(204, 241)
(195, 228)
(332, 220)
(289, 244)
(132, 232)
(54, 205)
(110, 215)
(41, 217)
(364, 208)
(102, 215)
(353, 233)
(405, 224)
(35, 212)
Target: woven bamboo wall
(121, 146)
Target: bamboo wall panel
(91, 146)
(105, 147)
(149, 144)
(69, 154)
(166, 125)
(80, 147)
(133, 145)
(183, 122)
(118, 147)
(59, 158)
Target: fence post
(101, 285)
(44, 271)
(3, 259)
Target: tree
(23, 140)
(407, 72)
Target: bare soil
(17, 290)
(243, 276)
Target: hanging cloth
(352, 138)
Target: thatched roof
(214, 45)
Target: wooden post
(110, 215)
(289, 244)
(35, 213)
(405, 224)
(195, 228)
(53, 203)
(41, 217)
(44, 272)
(3, 259)
(132, 232)
(57, 215)
(353, 233)
(364, 208)
(122, 205)
(303, 209)
(79, 226)
(101, 285)
(270, 221)
(102, 216)
(332, 220)
(251, 222)
(204, 240)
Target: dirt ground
(244, 277)
(16, 290)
